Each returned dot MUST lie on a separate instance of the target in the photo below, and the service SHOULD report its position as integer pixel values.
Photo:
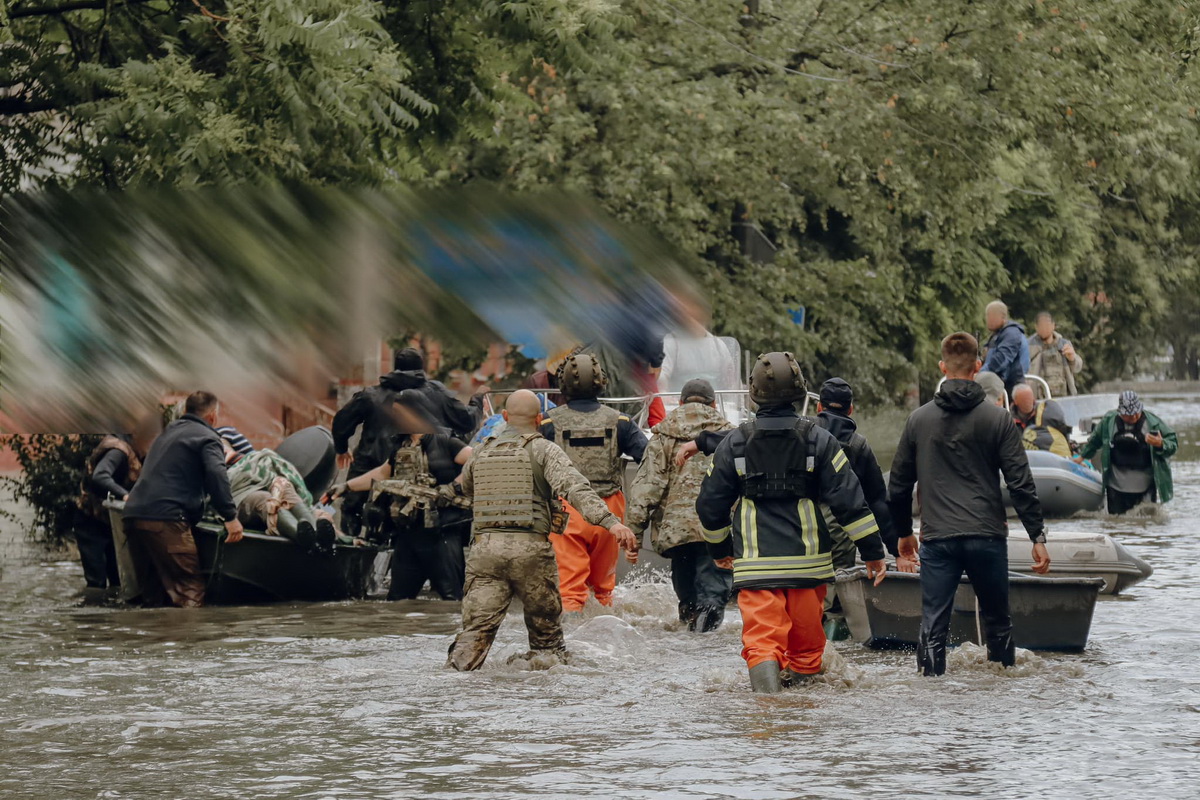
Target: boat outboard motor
(311, 452)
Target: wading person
(1052, 358)
(594, 437)
(957, 446)
(773, 472)
(1135, 447)
(428, 528)
(112, 467)
(1042, 423)
(663, 494)
(185, 464)
(835, 410)
(515, 480)
(1007, 349)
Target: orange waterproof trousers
(587, 557)
(783, 625)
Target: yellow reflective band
(715, 536)
(710, 468)
(839, 460)
(808, 526)
(752, 526)
(622, 418)
(862, 528)
(820, 558)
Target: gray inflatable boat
(1064, 487)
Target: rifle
(420, 495)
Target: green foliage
(911, 161)
(49, 483)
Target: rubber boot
(764, 678)
(306, 536)
(687, 615)
(326, 537)
(1002, 650)
(931, 656)
(708, 619)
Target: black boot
(306, 536)
(931, 656)
(1003, 650)
(687, 615)
(708, 618)
(326, 537)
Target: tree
(911, 161)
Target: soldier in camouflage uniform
(594, 437)
(515, 480)
(664, 494)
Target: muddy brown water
(350, 700)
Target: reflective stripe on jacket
(783, 543)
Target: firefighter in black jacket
(765, 483)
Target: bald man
(516, 480)
(1042, 422)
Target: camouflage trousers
(500, 566)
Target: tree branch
(70, 5)
(11, 106)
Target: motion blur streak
(110, 300)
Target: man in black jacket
(372, 408)
(834, 410)
(185, 464)
(955, 447)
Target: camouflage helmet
(580, 377)
(777, 379)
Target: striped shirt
(240, 444)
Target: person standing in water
(663, 494)
(594, 437)
(1135, 447)
(758, 507)
(957, 446)
(515, 480)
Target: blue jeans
(943, 561)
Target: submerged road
(351, 701)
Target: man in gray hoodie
(956, 447)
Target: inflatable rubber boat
(1081, 555)
(1064, 487)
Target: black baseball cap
(697, 389)
(836, 395)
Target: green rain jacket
(1101, 442)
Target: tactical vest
(507, 494)
(88, 501)
(779, 461)
(589, 438)
(409, 463)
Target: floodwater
(350, 700)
